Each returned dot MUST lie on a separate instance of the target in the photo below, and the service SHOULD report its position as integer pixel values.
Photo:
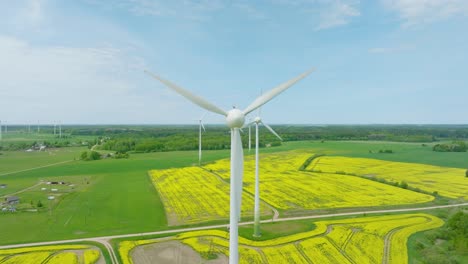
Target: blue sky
(385, 61)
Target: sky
(377, 62)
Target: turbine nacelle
(235, 118)
(257, 120)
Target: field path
(104, 240)
(35, 168)
(109, 247)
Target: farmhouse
(3, 186)
(12, 200)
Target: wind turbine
(55, 128)
(60, 129)
(200, 121)
(0, 129)
(250, 138)
(257, 121)
(235, 119)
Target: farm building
(12, 200)
(3, 186)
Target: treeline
(185, 137)
(456, 146)
(215, 139)
(36, 145)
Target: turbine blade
(264, 98)
(272, 131)
(239, 168)
(190, 96)
(204, 130)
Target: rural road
(105, 239)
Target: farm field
(280, 177)
(58, 254)
(448, 182)
(332, 241)
(120, 197)
(193, 195)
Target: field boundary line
(35, 168)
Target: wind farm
(135, 133)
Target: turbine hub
(235, 118)
(257, 119)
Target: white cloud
(414, 12)
(337, 13)
(199, 10)
(74, 84)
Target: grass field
(448, 182)
(378, 239)
(287, 188)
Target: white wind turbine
(0, 129)
(257, 121)
(200, 121)
(235, 119)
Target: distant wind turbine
(55, 128)
(235, 119)
(0, 129)
(200, 121)
(257, 121)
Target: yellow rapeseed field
(193, 195)
(449, 182)
(33, 257)
(64, 257)
(55, 254)
(283, 186)
(374, 239)
(91, 256)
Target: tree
(39, 204)
(84, 155)
(404, 185)
(94, 155)
(466, 173)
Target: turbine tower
(55, 128)
(60, 129)
(200, 121)
(257, 121)
(0, 129)
(235, 119)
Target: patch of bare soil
(171, 252)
